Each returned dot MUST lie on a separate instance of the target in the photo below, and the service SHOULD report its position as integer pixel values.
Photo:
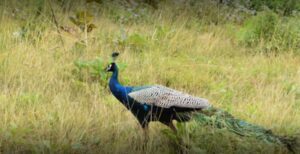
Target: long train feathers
(222, 119)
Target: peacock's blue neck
(114, 84)
(118, 90)
(114, 78)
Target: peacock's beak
(107, 69)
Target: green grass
(46, 105)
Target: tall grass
(46, 107)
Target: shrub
(286, 7)
(261, 26)
(93, 70)
(270, 33)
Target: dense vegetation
(241, 55)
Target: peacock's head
(111, 67)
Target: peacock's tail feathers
(222, 119)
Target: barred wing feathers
(165, 97)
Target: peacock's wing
(166, 97)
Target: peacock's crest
(114, 56)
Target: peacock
(163, 104)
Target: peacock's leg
(146, 130)
(173, 128)
(145, 127)
(170, 125)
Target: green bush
(271, 33)
(286, 7)
(257, 27)
(135, 41)
(93, 70)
